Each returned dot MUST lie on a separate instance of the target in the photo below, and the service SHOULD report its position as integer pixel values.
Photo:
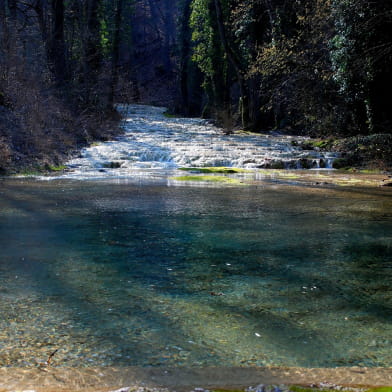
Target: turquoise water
(125, 274)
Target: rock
(268, 388)
(386, 183)
(259, 388)
(126, 389)
(305, 163)
(341, 163)
(277, 165)
(213, 293)
(247, 161)
(112, 165)
(322, 164)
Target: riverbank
(370, 153)
(130, 379)
(49, 148)
(45, 144)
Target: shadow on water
(128, 276)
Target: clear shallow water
(122, 274)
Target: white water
(153, 141)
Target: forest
(320, 68)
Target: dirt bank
(34, 145)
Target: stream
(111, 264)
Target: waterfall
(152, 140)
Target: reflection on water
(123, 275)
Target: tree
(57, 47)
(235, 62)
(209, 55)
(190, 78)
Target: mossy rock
(112, 165)
(323, 144)
(370, 171)
(304, 389)
(223, 170)
(372, 150)
(305, 163)
(210, 179)
(27, 173)
(277, 165)
(169, 115)
(295, 388)
(341, 163)
(381, 389)
(59, 168)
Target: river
(116, 265)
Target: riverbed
(122, 273)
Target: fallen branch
(50, 357)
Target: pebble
(126, 389)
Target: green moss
(57, 168)
(324, 144)
(213, 179)
(289, 175)
(294, 388)
(362, 171)
(27, 173)
(370, 171)
(39, 170)
(381, 389)
(169, 115)
(224, 170)
(354, 181)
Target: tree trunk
(92, 55)
(185, 53)
(244, 106)
(57, 44)
(116, 52)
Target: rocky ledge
(357, 152)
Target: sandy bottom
(182, 379)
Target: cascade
(152, 140)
